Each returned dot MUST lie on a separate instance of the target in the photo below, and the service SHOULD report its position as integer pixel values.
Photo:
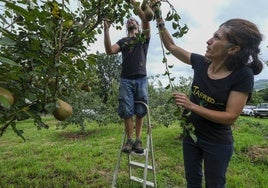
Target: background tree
(264, 94)
(256, 98)
(108, 72)
(97, 102)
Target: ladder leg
(129, 167)
(118, 161)
(149, 148)
(153, 161)
(146, 162)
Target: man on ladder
(133, 83)
(133, 87)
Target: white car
(248, 110)
(261, 110)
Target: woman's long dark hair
(246, 35)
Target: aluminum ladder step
(139, 180)
(140, 165)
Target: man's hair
(132, 18)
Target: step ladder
(148, 152)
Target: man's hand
(156, 7)
(106, 24)
(144, 4)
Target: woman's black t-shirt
(213, 94)
(134, 55)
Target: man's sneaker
(138, 147)
(128, 146)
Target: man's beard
(131, 27)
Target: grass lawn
(71, 159)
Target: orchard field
(70, 158)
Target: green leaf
(8, 61)
(48, 45)
(49, 27)
(169, 16)
(193, 137)
(168, 86)
(40, 124)
(20, 11)
(7, 42)
(176, 34)
(166, 73)
(177, 17)
(19, 132)
(175, 25)
(4, 102)
(184, 29)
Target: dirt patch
(77, 135)
(258, 154)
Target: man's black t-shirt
(134, 54)
(213, 94)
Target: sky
(203, 19)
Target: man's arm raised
(145, 23)
(109, 48)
